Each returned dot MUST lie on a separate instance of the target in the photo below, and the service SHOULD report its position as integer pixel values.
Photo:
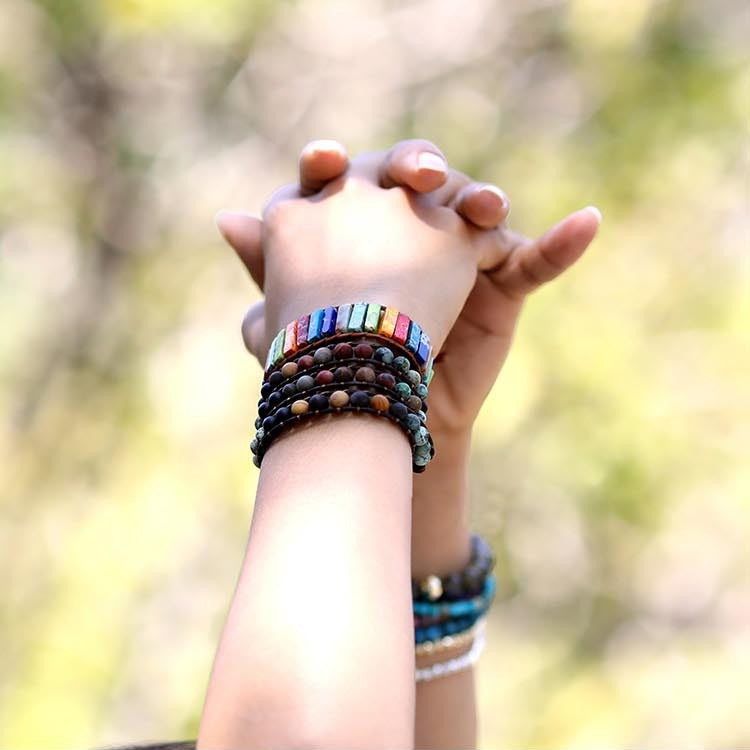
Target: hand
(476, 345)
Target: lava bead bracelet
(330, 323)
(333, 399)
(466, 583)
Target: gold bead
(432, 587)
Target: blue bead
(328, 326)
(411, 421)
(401, 364)
(316, 322)
(422, 391)
(433, 633)
(415, 333)
(269, 422)
(423, 350)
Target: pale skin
(481, 274)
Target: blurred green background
(611, 465)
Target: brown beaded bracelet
(339, 397)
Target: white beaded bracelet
(451, 666)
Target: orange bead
(380, 402)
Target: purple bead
(274, 399)
(318, 401)
(269, 422)
(275, 378)
(265, 390)
(359, 398)
(282, 414)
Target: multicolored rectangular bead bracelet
(372, 318)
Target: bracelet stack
(356, 357)
(449, 613)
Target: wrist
(440, 509)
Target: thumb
(243, 232)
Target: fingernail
(432, 162)
(492, 190)
(594, 210)
(225, 214)
(323, 144)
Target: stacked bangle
(466, 583)
(360, 357)
(449, 613)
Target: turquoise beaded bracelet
(359, 317)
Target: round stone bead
(420, 460)
(254, 445)
(299, 407)
(402, 364)
(260, 434)
(423, 416)
(322, 355)
(421, 390)
(339, 399)
(380, 402)
(265, 390)
(324, 377)
(275, 378)
(305, 362)
(343, 351)
(263, 408)
(363, 351)
(420, 436)
(288, 390)
(305, 382)
(414, 403)
(343, 374)
(432, 587)
(403, 390)
(399, 410)
(256, 461)
(359, 398)
(384, 354)
(365, 374)
(386, 380)
(412, 422)
(423, 450)
(282, 413)
(414, 378)
(274, 399)
(318, 401)
(258, 422)
(289, 368)
(269, 422)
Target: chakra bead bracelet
(327, 323)
(468, 582)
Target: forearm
(445, 714)
(317, 649)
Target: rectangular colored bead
(388, 323)
(290, 339)
(372, 318)
(313, 329)
(278, 347)
(269, 356)
(401, 330)
(412, 342)
(302, 325)
(423, 350)
(329, 322)
(342, 317)
(357, 319)
(430, 371)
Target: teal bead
(420, 435)
(422, 417)
(254, 445)
(256, 461)
(422, 391)
(403, 390)
(414, 378)
(260, 434)
(402, 364)
(420, 460)
(412, 422)
(423, 450)
(384, 354)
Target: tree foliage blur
(611, 467)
